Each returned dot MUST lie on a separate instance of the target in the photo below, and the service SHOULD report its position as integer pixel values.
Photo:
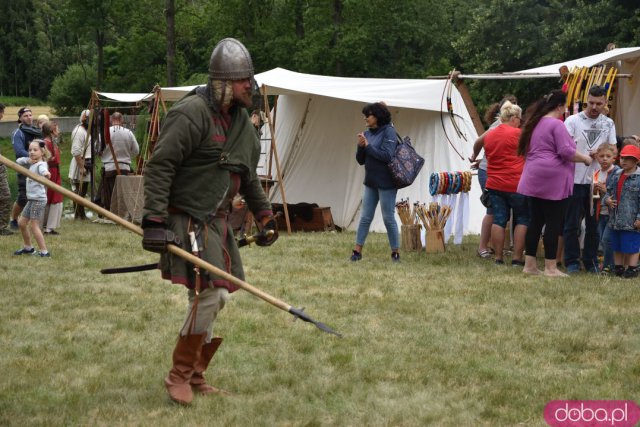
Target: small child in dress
(36, 199)
(623, 200)
(606, 155)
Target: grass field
(445, 340)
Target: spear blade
(299, 313)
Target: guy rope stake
(297, 313)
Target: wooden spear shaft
(296, 312)
(134, 228)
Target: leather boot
(198, 383)
(185, 357)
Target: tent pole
(164, 106)
(152, 132)
(275, 113)
(275, 155)
(95, 103)
(468, 102)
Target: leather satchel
(406, 163)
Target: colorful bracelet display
(449, 182)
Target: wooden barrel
(410, 237)
(434, 241)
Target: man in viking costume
(206, 154)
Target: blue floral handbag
(406, 163)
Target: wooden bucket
(410, 237)
(434, 241)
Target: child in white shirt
(36, 199)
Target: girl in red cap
(623, 199)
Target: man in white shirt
(125, 148)
(589, 129)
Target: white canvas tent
(627, 61)
(317, 120)
(316, 123)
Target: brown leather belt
(174, 210)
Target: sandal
(485, 254)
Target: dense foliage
(127, 45)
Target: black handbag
(485, 199)
(406, 163)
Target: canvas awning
(553, 70)
(618, 54)
(419, 94)
(170, 94)
(123, 97)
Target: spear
(244, 241)
(296, 312)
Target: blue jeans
(387, 199)
(579, 207)
(604, 233)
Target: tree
(170, 14)
(134, 45)
(71, 91)
(507, 35)
(18, 44)
(102, 19)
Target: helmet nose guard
(230, 60)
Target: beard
(244, 99)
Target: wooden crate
(322, 220)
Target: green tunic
(201, 160)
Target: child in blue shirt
(623, 200)
(605, 155)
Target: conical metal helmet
(230, 60)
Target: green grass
(445, 340)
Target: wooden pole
(137, 230)
(468, 102)
(272, 130)
(93, 121)
(273, 120)
(152, 132)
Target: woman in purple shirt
(547, 177)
